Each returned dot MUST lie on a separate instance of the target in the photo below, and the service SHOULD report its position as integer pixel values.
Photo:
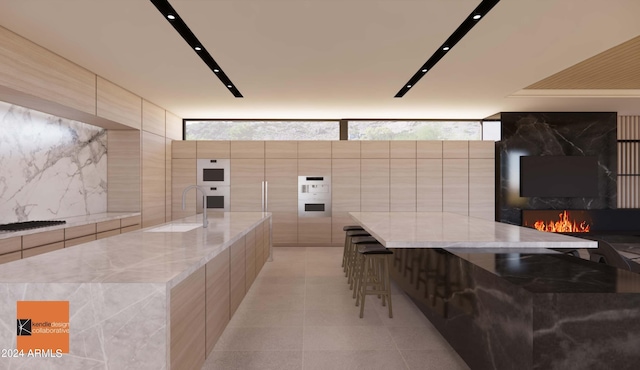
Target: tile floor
(299, 314)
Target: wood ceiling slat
(616, 68)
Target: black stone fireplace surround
(554, 134)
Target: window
(415, 130)
(491, 130)
(261, 130)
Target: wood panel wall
(628, 162)
(123, 171)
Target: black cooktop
(18, 226)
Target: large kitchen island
(156, 298)
(504, 297)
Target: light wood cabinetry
(213, 149)
(314, 149)
(482, 188)
(117, 104)
(455, 149)
(250, 258)
(78, 231)
(107, 225)
(153, 181)
(282, 200)
(153, 118)
(247, 149)
(167, 180)
(402, 149)
(107, 234)
(345, 149)
(42, 249)
(43, 238)
(217, 298)
(184, 149)
(482, 149)
(429, 185)
(247, 176)
(123, 171)
(345, 195)
(260, 250)
(374, 185)
(183, 174)
(81, 240)
(314, 230)
(9, 257)
(36, 72)
(429, 149)
(455, 186)
(10, 245)
(173, 126)
(281, 149)
(267, 239)
(314, 167)
(374, 149)
(188, 318)
(403, 182)
(237, 274)
(130, 221)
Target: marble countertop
(137, 256)
(71, 222)
(451, 230)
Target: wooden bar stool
(349, 249)
(346, 240)
(373, 272)
(353, 254)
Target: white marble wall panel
(50, 167)
(112, 326)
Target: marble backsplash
(50, 167)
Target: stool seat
(352, 227)
(372, 275)
(364, 239)
(373, 249)
(357, 233)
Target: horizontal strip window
(261, 130)
(415, 130)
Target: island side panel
(112, 325)
(187, 315)
(217, 298)
(237, 274)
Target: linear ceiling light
(172, 16)
(478, 13)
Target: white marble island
(141, 300)
(452, 231)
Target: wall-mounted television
(559, 176)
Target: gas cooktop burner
(18, 226)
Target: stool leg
(363, 287)
(359, 279)
(387, 283)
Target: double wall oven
(214, 175)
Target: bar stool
(352, 265)
(349, 249)
(373, 272)
(346, 239)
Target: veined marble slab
(451, 230)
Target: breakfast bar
(153, 298)
(505, 298)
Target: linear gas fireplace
(558, 221)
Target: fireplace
(558, 221)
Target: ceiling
(333, 59)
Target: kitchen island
(504, 300)
(148, 299)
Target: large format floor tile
(300, 314)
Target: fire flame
(563, 225)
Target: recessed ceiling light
(170, 14)
(467, 24)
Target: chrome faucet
(205, 222)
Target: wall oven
(314, 196)
(214, 175)
(214, 172)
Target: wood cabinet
(183, 174)
(345, 149)
(260, 250)
(402, 149)
(217, 298)
(429, 149)
(455, 149)
(281, 149)
(429, 185)
(153, 181)
(345, 195)
(43, 238)
(10, 245)
(250, 258)
(42, 249)
(81, 240)
(173, 126)
(455, 186)
(9, 257)
(184, 149)
(188, 318)
(374, 185)
(314, 149)
(282, 201)
(79, 231)
(247, 176)
(153, 118)
(123, 167)
(403, 182)
(247, 149)
(213, 149)
(117, 104)
(267, 239)
(237, 275)
(374, 149)
(482, 188)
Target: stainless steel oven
(314, 196)
(214, 175)
(214, 172)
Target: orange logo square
(43, 326)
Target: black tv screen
(559, 176)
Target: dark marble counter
(519, 311)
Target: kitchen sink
(174, 228)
